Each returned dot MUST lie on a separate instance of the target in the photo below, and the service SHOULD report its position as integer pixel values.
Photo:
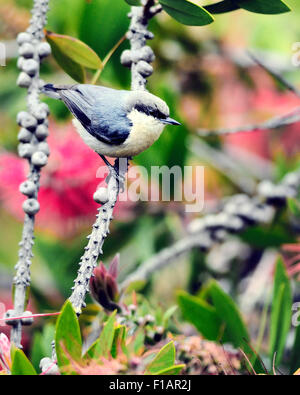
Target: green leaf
(21, 365)
(199, 313)
(173, 370)
(102, 346)
(226, 309)
(222, 7)
(139, 341)
(133, 2)
(168, 314)
(186, 12)
(75, 70)
(264, 6)
(294, 206)
(118, 340)
(281, 313)
(165, 359)
(68, 340)
(76, 50)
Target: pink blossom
(103, 284)
(2, 313)
(68, 183)
(5, 359)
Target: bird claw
(113, 172)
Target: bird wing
(97, 112)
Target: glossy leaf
(118, 340)
(222, 7)
(281, 313)
(75, 70)
(264, 6)
(102, 346)
(186, 12)
(173, 370)
(165, 359)
(168, 314)
(76, 50)
(199, 313)
(68, 340)
(21, 364)
(226, 309)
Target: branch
(275, 74)
(138, 58)
(239, 212)
(99, 233)
(34, 130)
(273, 123)
(234, 171)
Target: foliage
(224, 321)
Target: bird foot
(114, 172)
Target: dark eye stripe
(150, 111)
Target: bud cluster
(32, 135)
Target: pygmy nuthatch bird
(112, 122)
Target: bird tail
(51, 91)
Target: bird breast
(144, 132)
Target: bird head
(149, 106)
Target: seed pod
(146, 54)
(43, 49)
(27, 321)
(10, 313)
(30, 66)
(101, 195)
(24, 37)
(26, 120)
(44, 147)
(24, 135)
(144, 68)
(39, 159)
(20, 62)
(31, 206)
(41, 112)
(28, 188)
(25, 150)
(126, 59)
(26, 50)
(41, 131)
(40, 115)
(44, 107)
(291, 180)
(24, 80)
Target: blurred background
(209, 81)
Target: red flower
(68, 183)
(103, 284)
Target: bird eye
(157, 114)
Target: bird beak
(170, 121)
